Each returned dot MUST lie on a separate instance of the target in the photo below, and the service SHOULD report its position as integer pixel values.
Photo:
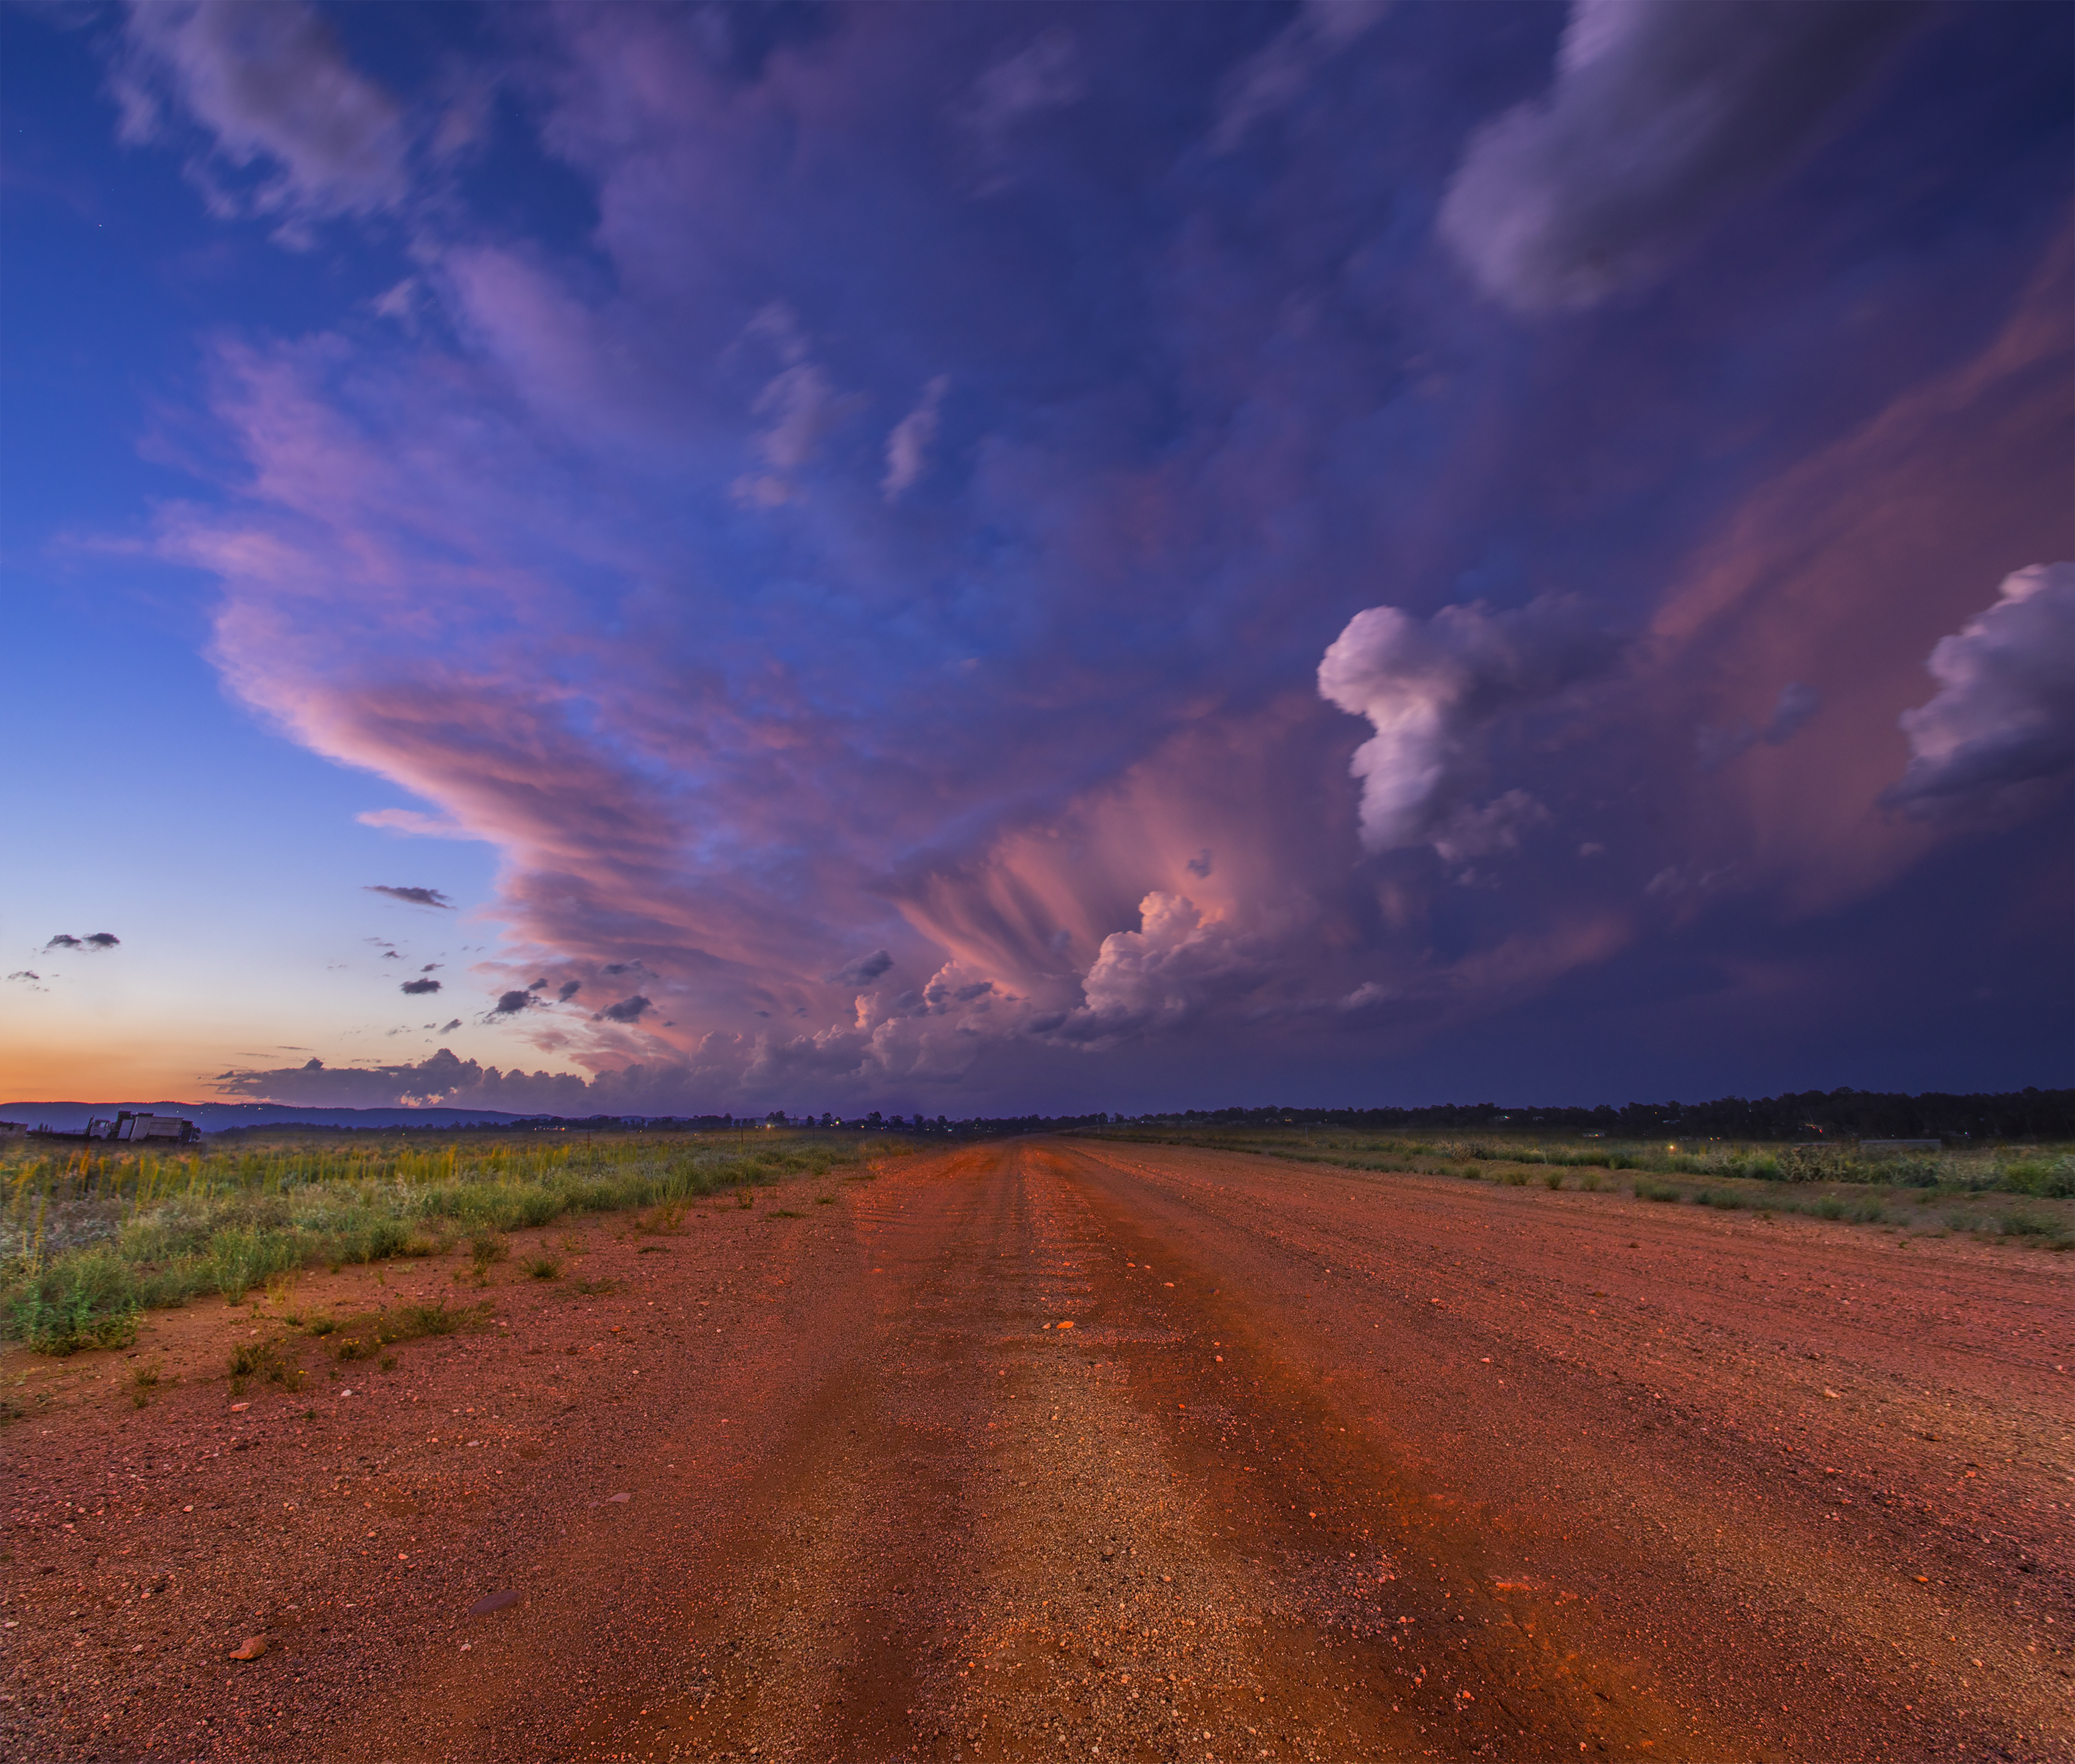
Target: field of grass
(90, 1239)
(2023, 1194)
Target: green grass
(89, 1241)
(1834, 1181)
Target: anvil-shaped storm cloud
(998, 557)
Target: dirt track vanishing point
(1086, 1450)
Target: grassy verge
(89, 1242)
(2017, 1195)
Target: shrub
(1647, 1190)
(485, 1249)
(241, 1258)
(2053, 1180)
(87, 1299)
(270, 1359)
(544, 1267)
(1553, 1180)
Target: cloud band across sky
(1021, 535)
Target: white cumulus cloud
(1431, 688)
(2002, 723)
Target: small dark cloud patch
(569, 990)
(621, 967)
(445, 1028)
(412, 896)
(510, 1003)
(862, 972)
(1199, 864)
(391, 955)
(429, 967)
(628, 1010)
(540, 985)
(414, 989)
(101, 940)
(28, 974)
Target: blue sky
(1036, 558)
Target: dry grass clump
(365, 1337)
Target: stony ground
(1076, 1449)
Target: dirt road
(1083, 1450)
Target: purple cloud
(863, 970)
(1791, 714)
(412, 896)
(2002, 723)
(270, 83)
(1660, 117)
(415, 988)
(932, 554)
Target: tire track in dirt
(1076, 1449)
(1008, 1537)
(1626, 1426)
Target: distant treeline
(1841, 1114)
(1805, 1115)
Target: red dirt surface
(1085, 1450)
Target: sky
(1009, 559)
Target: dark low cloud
(510, 1003)
(569, 989)
(100, 940)
(28, 973)
(2002, 724)
(628, 1010)
(445, 1079)
(448, 1028)
(416, 988)
(412, 896)
(862, 972)
(1791, 712)
(1660, 115)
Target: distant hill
(218, 1117)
